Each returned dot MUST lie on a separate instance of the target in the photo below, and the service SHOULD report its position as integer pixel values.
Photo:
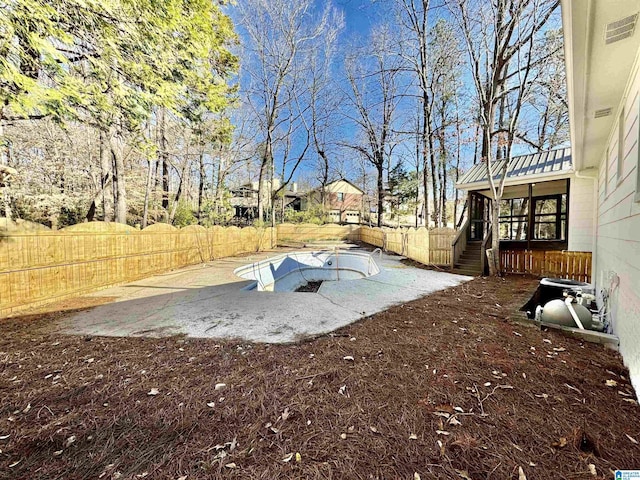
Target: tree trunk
(201, 180)
(380, 192)
(264, 172)
(147, 193)
(434, 183)
(425, 157)
(105, 174)
(119, 182)
(494, 260)
(164, 159)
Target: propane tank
(557, 312)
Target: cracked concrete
(208, 301)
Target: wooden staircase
(470, 262)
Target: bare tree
(373, 73)
(281, 35)
(413, 17)
(500, 38)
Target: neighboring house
(343, 201)
(244, 198)
(602, 51)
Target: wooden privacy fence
(307, 232)
(553, 263)
(40, 266)
(431, 247)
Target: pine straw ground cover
(446, 386)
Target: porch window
(514, 214)
(550, 217)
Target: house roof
(522, 169)
(317, 189)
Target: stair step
(464, 271)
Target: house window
(550, 217)
(514, 214)
(340, 196)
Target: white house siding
(618, 231)
(582, 213)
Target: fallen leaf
(288, 458)
(90, 360)
(630, 400)
(4, 437)
(374, 429)
(572, 388)
(220, 386)
(57, 453)
(444, 408)
(542, 395)
(454, 421)
(14, 464)
(633, 440)
(231, 465)
(546, 340)
(487, 384)
(343, 436)
(298, 457)
(342, 390)
(561, 349)
(184, 477)
(211, 404)
(517, 334)
(521, 475)
(413, 436)
(560, 443)
(611, 383)
(442, 414)
(416, 476)
(69, 441)
(592, 469)
(349, 358)
(441, 445)
(285, 414)
(459, 409)
(442, 432)
(153, 392)
(27, 408)
(463, 474)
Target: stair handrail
(459, 243)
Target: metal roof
(550, 162)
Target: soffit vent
(621, 29)
(603, 112)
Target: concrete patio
(208, 301)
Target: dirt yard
(446, 386)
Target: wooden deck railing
(548, 263)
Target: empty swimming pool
(289, 271)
